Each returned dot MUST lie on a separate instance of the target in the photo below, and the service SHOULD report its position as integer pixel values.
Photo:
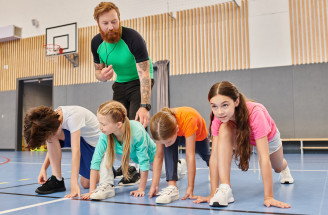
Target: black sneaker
(52, 185)
(119, 172)
(134, 179)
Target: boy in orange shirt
(171, 127)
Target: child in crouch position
(67, 126)
(127, 139)
(169, 128)
(241, 124)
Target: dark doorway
(32, 92)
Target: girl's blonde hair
(163, 124)
(243, 148)
(117, 113)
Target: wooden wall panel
(208, 39)
(309, 31)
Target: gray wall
(294, 95)
(8, 119)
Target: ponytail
(117, 113)
(243, 149)
(126, 149)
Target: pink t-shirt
(261, 123)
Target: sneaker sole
(129, 184)
(98, 199)
(172, 200)
(286, 182)
(217, 204)
(50, 191)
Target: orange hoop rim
(53, 48)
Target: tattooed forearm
(144, 66)
(145, 89)
(145, 82)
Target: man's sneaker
(222, 197)
(286, 177)
(182, 168)
(103, 191)
(52, 185)
(134, 179)
(168, 195)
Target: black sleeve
(95, 43)
(136, 44)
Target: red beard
(112, 36)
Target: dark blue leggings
(171, 156)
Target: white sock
(59, 179)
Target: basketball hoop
(52, 51)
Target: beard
(112, 36)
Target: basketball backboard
(63, 35)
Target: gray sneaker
(103, 191)
(286, 177)
(222, 197)
(168, 195)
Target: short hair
(40, 123)
(104, 7)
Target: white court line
(323, 195)
(35, 163)
(31, 206)
(296, 170)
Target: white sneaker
(286, 177)
(103, 191)
(168, 195)
(182, 168)
(222, 197)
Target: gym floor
(308, 194)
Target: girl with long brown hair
(123, 138)
(241, 124)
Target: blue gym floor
(308, 195)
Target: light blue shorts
(275, 143)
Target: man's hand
(142, 116)
(107, 73)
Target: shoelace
(102, 187)
(222, 190)
(285, 173)
(166, 191)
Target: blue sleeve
(99, 152)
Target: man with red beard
(123, 50)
